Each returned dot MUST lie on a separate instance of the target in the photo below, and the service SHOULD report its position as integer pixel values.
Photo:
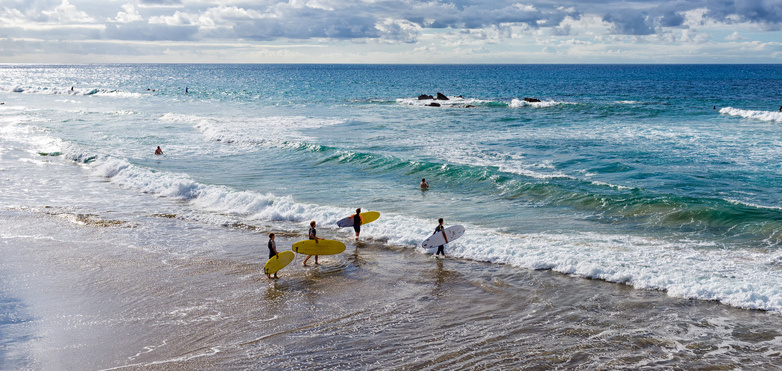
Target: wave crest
(769, 116)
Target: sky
(390, 31)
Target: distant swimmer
(186, 90)
(440, 228)
(158, 151)
(424, 184)
(272, 252)
(313, 236)
(357, 221)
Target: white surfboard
(452, 233)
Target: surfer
(313, 236)
(424, 184)
(357, 221)
(440, 228)
(186, 90)
(272, 252)
(158, 151)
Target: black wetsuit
(441, 248)
(357, 223)
(272, 247)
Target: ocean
(620, 217)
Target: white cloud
(483, 29)
(130, 14)
(177, 19)
(735, 36)
(67, 13)
(398, 30)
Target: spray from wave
(754, 115)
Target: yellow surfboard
(323, 247)
(366, 218)
(279, 261)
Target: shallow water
(109, 297)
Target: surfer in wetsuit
(272, 252)
(440, 228)
(357, 221)
(313, 236)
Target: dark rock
(433, 105)
(425, 97)
(441, 96)
(532, 100)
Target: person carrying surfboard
(357, 221)
(441, 228)
(313, 236)
(272, 252)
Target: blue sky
(380, 31)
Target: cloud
(160, 2)
(129, 14)
(735, 36)
(767, 12)
(67, 13)
(150, 32)
(629, 23)
(505, 26)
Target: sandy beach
(105, 296)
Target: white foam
(615, 186)
(74, 92)
(274, 131)
(753, 205)
(518, 103)
(513, 163)
(452, 102)
(755, 115)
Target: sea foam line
(687, 269)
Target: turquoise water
(658, 177)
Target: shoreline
(372, 305)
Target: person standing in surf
(313, 236)
(424, 184)
(440, 228)
(272, 252)
(357, 221)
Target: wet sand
(129, 296)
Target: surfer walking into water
(440, 228)
(313, 236)
(424, 184)
(158, 151)
(272, 252)
(357, 221)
